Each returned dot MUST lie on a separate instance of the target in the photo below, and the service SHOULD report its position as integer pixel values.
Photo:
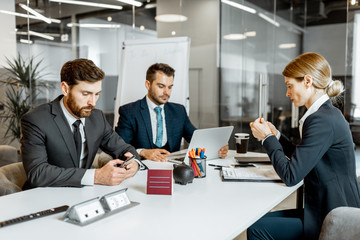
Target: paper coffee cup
(242, 142)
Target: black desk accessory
(233, 165)
(183, 174)
(253, 159)
(33, 216)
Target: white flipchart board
(138, 55)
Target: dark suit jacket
(325, 159)
(134, 125)
(48, 147)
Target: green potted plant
(15, 106)
(22, 82)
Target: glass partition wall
(258, 39)
(45, 34)
(352, 76)
(80, 32)
(238, 51)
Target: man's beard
(157, 99)
(76, 110)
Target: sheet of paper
(250, 173)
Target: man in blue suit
(153, 125)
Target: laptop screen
(212, 139)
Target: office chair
(12, 178)
(341, 223)
(8, 155)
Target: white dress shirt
(88, 178)
(153, 119)
(313, 108)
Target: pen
(270, 128)
(193, 167)
(200, 167)
(243, 165)
(235, 165)
(202, 154)
(197, 167)
(213, 165)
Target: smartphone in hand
(127, 161)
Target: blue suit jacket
(134, 125)
(325, 159)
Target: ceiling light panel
(35, 13)
(26, 41)
(93, 25)
(27, 16)
(90, 4)
(239, 6)
(41, 35)
(171, 18)
(235, 36)
(131, 2)
(287, 45)
(268, 19)
(250, 34)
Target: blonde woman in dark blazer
(324, 159)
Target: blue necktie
(159, 125)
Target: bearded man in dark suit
(60, 139)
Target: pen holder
(199, 166)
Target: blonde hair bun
(314, 64)
(334, 88)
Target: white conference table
(205, 209)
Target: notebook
(256, 174)
(212, 139)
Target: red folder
(159, 181)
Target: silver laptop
(212, 139)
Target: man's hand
(132, 167)
(223, 151)
(109, 174)
(158, 155)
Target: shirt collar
(151, 104)
(70, 118)
(314, 107)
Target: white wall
(7, 32)
(203, 31)
(7, 49)
(103, 47)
